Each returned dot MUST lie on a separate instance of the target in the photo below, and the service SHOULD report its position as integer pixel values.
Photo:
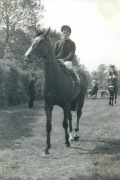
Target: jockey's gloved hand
(110, 77)
(60, 61)
(114, 76)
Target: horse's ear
(47, 33)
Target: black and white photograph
(59, 89)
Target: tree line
(20, 21)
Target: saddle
(72, 73)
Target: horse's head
(39, 47)
(111, 85)
(111, 88)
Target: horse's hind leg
(65, 126)
(79, 113)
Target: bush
(14, 85)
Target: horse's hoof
(46, 155)
(76, 138)
(67, 144)
(71, 139)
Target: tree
(94, 74)
(89, 79)
(18, 14)
(119, 79)
(102, 73)
(54, 36)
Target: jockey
(94, 81)
(65, 51)
(113, 73)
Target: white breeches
(68, 65)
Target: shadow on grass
(107, 146)
(103, 146)
(96, 177)
(15, 124)
(77, 177)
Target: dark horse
(58, 87)
(94, 91)
(112, 88)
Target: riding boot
(75, 77)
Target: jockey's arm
(71, 53)
(69, 57)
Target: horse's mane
(38, 33)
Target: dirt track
(23, 137)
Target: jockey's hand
(114, 77)
(110, 77)
(61, 61)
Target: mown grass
(107, 167)
(96, 156)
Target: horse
(104, 93)
(89, 93)
(94, 91)
(112, 88)
(58, 88)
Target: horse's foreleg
(65, 126)
(48, 111)
(70, 125)
(115, 97)
(112, 97)
(110, 100)
(96, 96)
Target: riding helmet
(66, 27)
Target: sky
(95, 28)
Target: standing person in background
(94, 87)
(65, 51)
(31, 89)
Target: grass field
(95, 156)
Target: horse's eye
(41, 41)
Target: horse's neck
(52, 70)
(111, 83)
(94, 85)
